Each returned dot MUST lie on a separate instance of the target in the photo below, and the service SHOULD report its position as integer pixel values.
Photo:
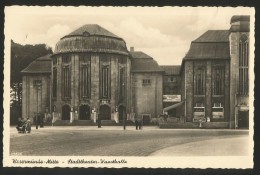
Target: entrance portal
(105, 112)
(243, 119)
(146, 119)
(121, 112)
(84, 112)
(65, 112)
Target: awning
(173, 106)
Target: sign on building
(171, 98)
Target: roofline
(207, 58)
(69, 36)
(35, 72)
(126, 53)
(210, 41)
(199, 59)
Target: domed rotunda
(90, 75)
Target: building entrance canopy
(173, 106)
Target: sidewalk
(130, 128)
(214, 147)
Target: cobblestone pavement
(109, 140)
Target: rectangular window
(243, 87)
(218, 80)
(85, 81)
(146, 82)
(66, 82)
(199, 81)
(105, 83)
(54, 83)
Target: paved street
(114, 141)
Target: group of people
(138, 124)
(23, 125)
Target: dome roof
(91, 38)
(91, 29)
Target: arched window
(243, 65)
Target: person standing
(136, 124)
(28, 125)
(140, 124)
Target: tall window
(104, 81)
(218, 80)
(54, 83)
(121, 83)
(243, 65)
(66, 81)
(85, 81)
(199, 81)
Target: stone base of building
(91, 123)
(195, 125)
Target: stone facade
(92, 75)
(36, 97)
(239, 110)
(147, 97)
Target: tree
(21, 57)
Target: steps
(91, 123)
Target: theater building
(92, 75)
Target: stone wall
(35, 98)
(147, 99)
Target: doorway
(84, 112)
(65, 112)
(105, 112)
(146, 119)
(243, 119)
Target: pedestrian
(140, 124)
(41, 121)
(136, 124)
(20, 125)
(28, 125)
(99, 121)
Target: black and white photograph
(152, 87)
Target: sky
(164, 33)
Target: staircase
(91, 123)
